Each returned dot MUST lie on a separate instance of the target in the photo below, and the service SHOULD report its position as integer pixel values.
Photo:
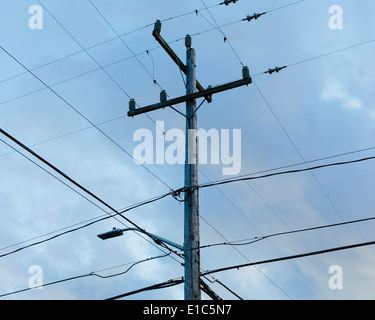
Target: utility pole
(192, 280)
(191, 213)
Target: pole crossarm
(173, 55)
(192, 96)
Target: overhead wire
(321, 56)
(209, 185)
(162, 285)
(255, 16)
(83, 116)
(118, 85)
(177, 281)
(308, 161)
(130, 57)
(240, 211)
(249, 241)
(158, 47)
(85, 190)
(60, 24)
(84, 50)
(303, 159)
(221, 31)
(335, 208)
(224, 286)
(108, 40)
(335, 164)
(71, 230)
(122, 40)
(296, 256)
(299, 1)
(91, 274)
(332, 52)
(125, 44)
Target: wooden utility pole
(192, 279)
(191, 213)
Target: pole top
(188, 41)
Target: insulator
(245, 72)
(157, 26)
(209, 97)
(163, 96)
(132, 105)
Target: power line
(203, 186)
(238, 266)
(349, 47)
(224, 286)
(149, 50)
(232, 244)
(210, 225)
(123, 35)
(303, 159)
(297, 256)
(299, 1)
(231, 180)
(88, 222)
(33, 153)
(295, 147)
(91, 274)
(75, 229)
(64, 28)
(171, 283)
(65, 135)
(79, 44)
(83, 116)
(285, 6)
(67, 32)
(79, 185)
(319, 56)
(122, 40)
(51, 174)
(102, 132)
(163, 285)
(109, 40)
(246, 242)
(308, 161)
(221, 31)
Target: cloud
(335, 91)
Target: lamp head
(111, 234)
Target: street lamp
(115, 232)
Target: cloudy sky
(321, 105)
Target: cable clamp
(255, 16)
(228, 2)
(276, 69)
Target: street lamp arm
(115, 232)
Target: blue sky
(317, 107)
